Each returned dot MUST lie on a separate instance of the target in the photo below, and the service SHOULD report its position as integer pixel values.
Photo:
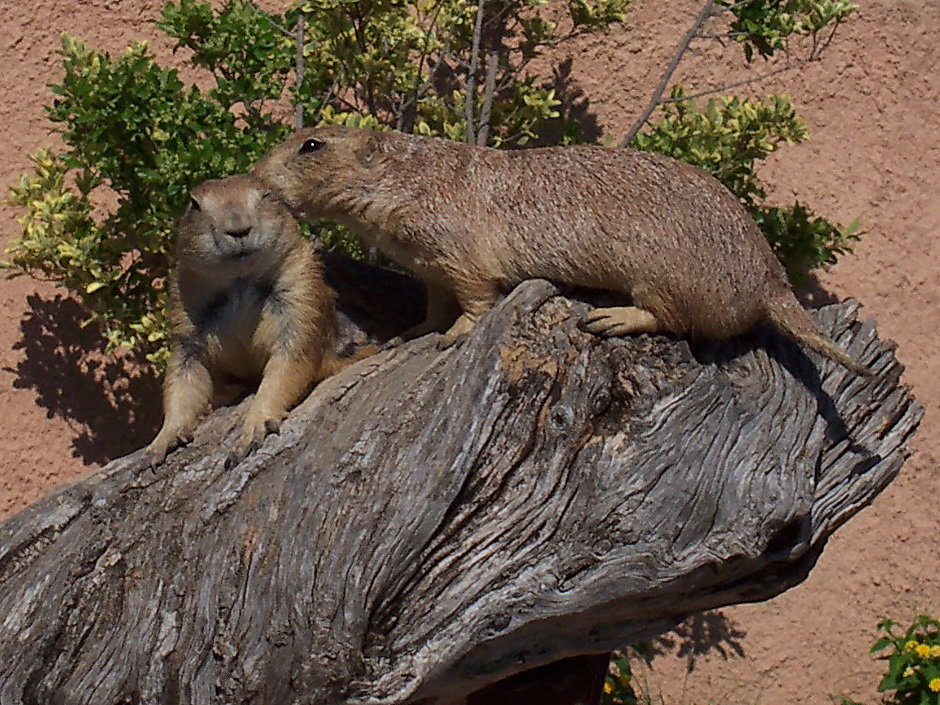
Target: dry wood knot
(560, 418)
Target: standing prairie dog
(473, 222)
(248, 306)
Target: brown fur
(473, 222)
(248, 306)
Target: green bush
(98, 217)
(913, 657)
(728, 138)
(765, 26)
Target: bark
(430, 522)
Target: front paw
(457, 333)
(392, 343)
(449, 341)
(165, 442)
(240, 453)
(155, 455)
(252, 437)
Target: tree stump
(430, 522)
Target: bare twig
(471, 73)
(315, 118)
(346, 103)
(432, 26)
(738, 84)
(730, 8)
(703, 15)
(299, 71)
(421, 87)
(492, 63)
(279, 27)
(818, 52)
(721, 35)
(815, 54)
(251, 110)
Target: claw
(153, 457)
(231, 460)
(251, 439)
(595, 315)
(598, 325)
(619, 321)
(166, 442)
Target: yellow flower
(934, 685)
(908, 672)
(911, 645)
(922, 650)
(608, 687)
(935, 651)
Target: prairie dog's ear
(367, 151)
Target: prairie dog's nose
(238, 234)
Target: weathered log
(429, 522)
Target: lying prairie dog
(473, 222)
(249, 306)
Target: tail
(786, 314)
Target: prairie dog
(473, 222)
(248, 306)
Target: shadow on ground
(700, 634)
(812, 294)
(574, 110)
(111, 401)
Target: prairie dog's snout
(228, 224)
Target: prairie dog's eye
(194, 204)
(311, 145)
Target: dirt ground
(873, 154)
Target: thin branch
(721, 35)
(828, 41)
(730, 8)
(815, 54)
(507, 82)
(315, 118)
(703, 15)
(299, 71)
(420, 91)
(420, 88)
(345, 103)
(471, 73)
(252, 111)
(279, 27)
(425, 50)
(738, 84)
(492, 63)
